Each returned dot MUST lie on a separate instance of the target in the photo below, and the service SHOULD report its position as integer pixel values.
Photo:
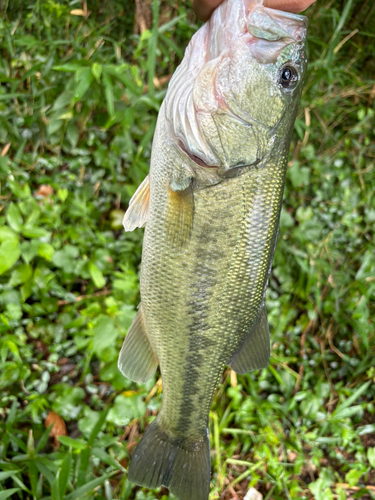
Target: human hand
(204, 8)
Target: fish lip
(291, 15)
(275, 25)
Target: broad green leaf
(7, 234)
(21, 274)
(105, 334)
(46, 251)
(10, 251)
(366, 429)
(14, 217)
(108, 91)
(346, 412)
(67, 115)
(66, 258)
(54, 125)
(125, 409)
(62, 194)
(99, 424)
(34, 231)
(353, 476)
(321, 488)
(62, 101)
(96, 70)
(8, 343)
(299, 176)
(18, 190)
(371, 457)
(72, 134)
(26, 290)
(83, 79)
(116, 217)
(96, 275)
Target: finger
(295, 6)
(204, 8)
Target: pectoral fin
(137, 359)
(180, 214)
(255, 351)
(137, 212)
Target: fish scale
(211, 206)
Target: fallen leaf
(44, 191)
(58, 429)
(253, 494)
(129, 394)
(78, 12)
(5, 149)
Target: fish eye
(288, 76)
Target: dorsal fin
(137, 212)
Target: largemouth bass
(211, 207)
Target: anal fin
(137, 359)
(137, 212)
(255, 351)
(180, 215)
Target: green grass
(78, 103)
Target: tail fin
(161, 460)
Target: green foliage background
(79, 96)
